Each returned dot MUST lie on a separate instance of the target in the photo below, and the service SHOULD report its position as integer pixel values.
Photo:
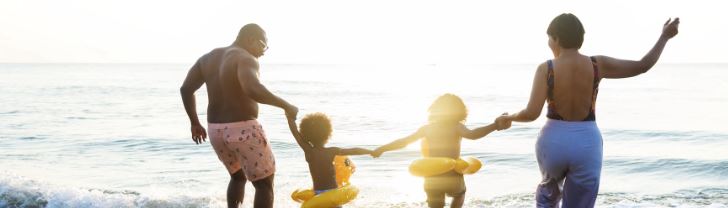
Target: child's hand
(376, 153)
(503, 122)
(370, 152)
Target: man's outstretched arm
(250, 84)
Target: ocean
(116, 135)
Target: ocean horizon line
(330, 63)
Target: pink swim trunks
(243, 144)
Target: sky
(341, 32)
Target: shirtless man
(234, 91)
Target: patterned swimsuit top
(552, 114)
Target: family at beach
(568, 147)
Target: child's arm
(297, 135)
(478, 132)
(352, 151)
(399, 144)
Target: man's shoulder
(215, 52)
(240, 55)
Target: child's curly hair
(448, 108)
(316, 129)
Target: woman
(569, 147)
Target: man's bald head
(253, 39)
(251, 30)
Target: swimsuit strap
(552, 114)
(595, 91)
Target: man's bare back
(233, 88)
(228, 101)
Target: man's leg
(236, 189)
(236, 186)
(264, 192)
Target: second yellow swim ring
(432, 166)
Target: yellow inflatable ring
(332, 198)
(432, 166)
(344, 168)
(302, 195)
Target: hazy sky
(427, 32)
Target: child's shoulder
(426, 127)
(331, 150)
(442, 126)
(323, 152)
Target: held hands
(370, 152)
(291, 112)
(376, 153)
(669, 29)
(198, 133)
(503, 122)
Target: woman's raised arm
(617, 68)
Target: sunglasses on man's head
(265, 46)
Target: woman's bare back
(573, 86)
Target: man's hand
(291, 112)
(198, 133)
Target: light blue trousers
(569, 155)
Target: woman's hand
(669, 29)
(503, 122)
